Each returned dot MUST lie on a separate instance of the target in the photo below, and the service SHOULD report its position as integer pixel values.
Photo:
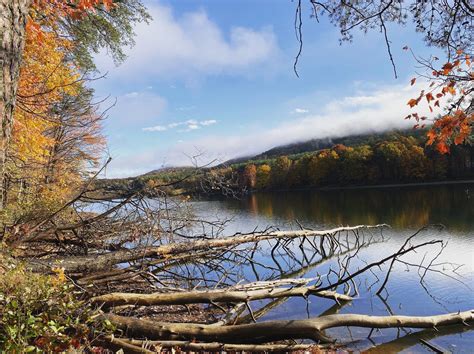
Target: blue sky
(215, 79)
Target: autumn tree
(249, 176)
(356, 164)
(280, 170)
(447, 25)
(264, 173)
(90, 24)
(402, 160)
(389, 155)
(298, 174)
(414, 163)
(321, 167)
(55, 130)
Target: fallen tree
(103, 261)
(269, 331)
(214, 296)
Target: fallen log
(99, 262)
(269, 331)
(213, 296)
(215, 346)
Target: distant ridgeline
(395, 157)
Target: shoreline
(395, 185)
(369, 186)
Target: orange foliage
(453, 81)
(45, 77)
(74, 9)
(56, 132)
(46, 13)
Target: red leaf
(431, 137)
(458, 140)
(447, 68)
(442, 147)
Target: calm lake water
(406, 210)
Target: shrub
(41, 313)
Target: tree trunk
(269, 331)
(13, 17)
(214, 296)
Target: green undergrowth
(43, 313)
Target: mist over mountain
(325, 143)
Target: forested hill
(372, 159)
(326, 143)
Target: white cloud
(190, 124)
(193, 126)
(208, 122)
(300, 110)
(376, 111)
(192, 45)
(156, 128)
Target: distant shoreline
(395, 185)
(371, 186)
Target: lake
(406, 209)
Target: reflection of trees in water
(451, 205)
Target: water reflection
(407, 207)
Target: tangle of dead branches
(136, 257)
